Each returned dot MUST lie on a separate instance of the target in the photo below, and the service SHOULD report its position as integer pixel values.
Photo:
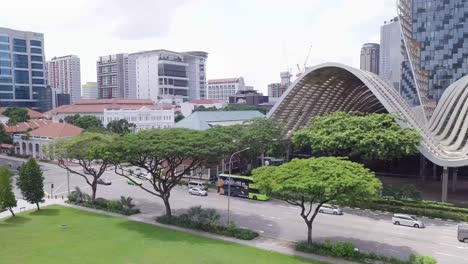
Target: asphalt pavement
(368, 230)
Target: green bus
(241, 186)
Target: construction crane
(300, 71)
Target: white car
(330, 209)
(197, 191)
(407, 220)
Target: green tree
(31, 182)
(179, 116)
(309, 183)
(71, 119)
(16, 115)
(120, 127)
(4, 137)
(89, 151)
(7, 197)
(88, 122)
(165, 155)
(369, 136)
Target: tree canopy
(369, 136)
(178, 116)
(89, 123)
(120, 127)
(7, 197)
(304, 182)
(31, 182)
(88, 150)
(165, 155)
(16, 115)
(4, 137)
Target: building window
(38, 81)
(37, 66)
(5, 71)
(6, 79)
(21, 77)
(6, 96)
(22, 92)
(20, 61)
(4, 55)
(37, 74)
(4, 39)
(36, 58)
(36, 50)
(35, 43)
(6, 88)
(4, 47)
(5, 63)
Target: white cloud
(252, 38)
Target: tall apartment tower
(370, 53)
(276, 90)
(163, 74)
(436, 52)
(221, 89)
(112, 76)
(21, 68)
(391, 56)
(64, 74)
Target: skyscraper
(64, 73)
(112, 76)
(21, 67)
(436, 53)
(370, 53)
(391, 56)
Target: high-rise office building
(370, 53)
(221, 89)
(391, 56)
(163, 74)
(21, 67)
(436, 54)
(89, 91)
(64, 73)
(276, 90)
(112, 76)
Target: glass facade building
(436, 53)
(21, 68)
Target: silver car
(198, 191)
(407, 220)
(330, 209)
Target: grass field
(64, 235)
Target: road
(369, 231)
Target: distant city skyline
(240, 37)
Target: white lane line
(448, 237)
(449, 255)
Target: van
(463, 233)
(197, 184)
(407, 220)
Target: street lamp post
(229, 183)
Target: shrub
(406, 192)
(343, 250)
(420, 259)
(101, 202)
(203, 216)
(114, 206)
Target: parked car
(103, 182)
(134, 182)
(463, 233)
(407, 220)
(197, 184)
(198, 191)
(330, 209)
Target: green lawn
(40, 237)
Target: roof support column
(422, 167)
(454, 179)
(445, 184)
(434, 172)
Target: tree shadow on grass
(46, 211)
(15, 221)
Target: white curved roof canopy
(332, 87)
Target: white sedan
(198, 191)
(330, 209)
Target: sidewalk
(261, 242)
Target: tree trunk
(37, 204)
(309, 233)
(94, 189)
(11, 211)
(167, 205)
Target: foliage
(207, 220)
(89, 150)
(31, 182)
(71, 119)
(178, 116)
(123, 206)
(166, 155)
(303, 182)
(370, 136)
(76, 237)
(7, 197)
(16, 115)
(406, 192)
(200, 108)
(346, 250)
(88, 122)
(120, 127)
(4, 137)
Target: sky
(255, 39)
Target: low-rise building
(89, 91)
(221, 89)
(187, 108)
(33, 143)
(207, 119)
(248, 97)
(32, 115)
(145, 114)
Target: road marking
(449, 255)
(270, 225)
(447, 237)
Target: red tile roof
(227, 80)
(32, 114)
(25, 126)
(7, 146)
(205, 101)
(99, 105)
(56, 130)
